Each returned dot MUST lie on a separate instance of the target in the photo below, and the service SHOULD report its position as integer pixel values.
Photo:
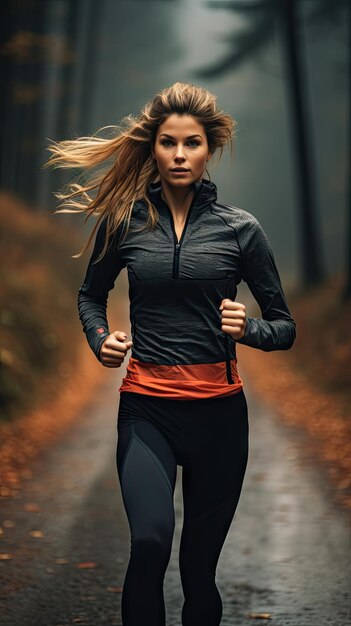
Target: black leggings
(209, 438)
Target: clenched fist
(114, 349)
(233, 318)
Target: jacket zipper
(177, 244)
(176, 261)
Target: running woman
(182, 400)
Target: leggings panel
(208, 437)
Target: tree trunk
(312, 266)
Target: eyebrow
(189, 137)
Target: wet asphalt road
(287, 552)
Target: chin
(182, 182)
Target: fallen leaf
(86, 565)
(32, 507)
(260, 615)
(114, 589)
(61, 561)
(8, 523)
(5, 557)
(36, 533)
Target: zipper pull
(177, 247)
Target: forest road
(287, 552)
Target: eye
(166, 142)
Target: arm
(93, 294)
(277, 329)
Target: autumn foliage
(309, 385)
(46, 372)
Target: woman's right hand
(114, 349)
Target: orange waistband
(199, 380)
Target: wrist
(96, 336)
(245, 330)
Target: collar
(205, 193)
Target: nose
(179, 154)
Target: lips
(179, 169)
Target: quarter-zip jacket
(175, 290)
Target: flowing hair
(128, 165)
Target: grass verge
(46, 374)
(309, 385)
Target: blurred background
(281, 69)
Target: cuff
(96, 337)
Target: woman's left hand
(233, 318)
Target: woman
(182, 400)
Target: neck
(178, 199)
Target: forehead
(181, 125)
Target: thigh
(147, 473)
(216, 457)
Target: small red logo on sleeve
(100, 330)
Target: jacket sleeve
(93, 294)
(276, 330)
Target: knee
(155, 544)
(151, 553)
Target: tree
(266, 15)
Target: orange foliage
(309, 386)
(44, 354)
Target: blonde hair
(125, 181)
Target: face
(181, 142)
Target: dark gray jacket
(176, 288)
